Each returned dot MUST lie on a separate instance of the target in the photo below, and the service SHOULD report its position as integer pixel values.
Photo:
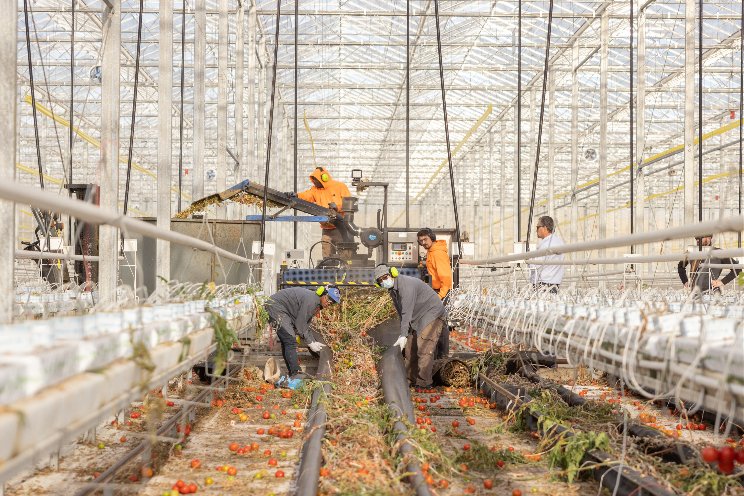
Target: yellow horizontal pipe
(716, 132)
(88, 138)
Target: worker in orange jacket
(439, 268)
(324, 192)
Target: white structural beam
(222, 53)
(689, 125)
(165, 137)
(640, 211)
(108, 165)
(251, 158)
(8, 99)
(502, 188)
(573, 236)
(604, 35)
(239, 88)
(200, 54)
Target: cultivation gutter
(166, 429)
(311, 456)
(397, 396)
(620, 479)
(681, 453)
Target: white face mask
(388, 283)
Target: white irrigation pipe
(49, 255)
(725, 224)
(93, 214)
(722, 266)
(669, 257)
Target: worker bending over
(421, 315)
(705, 278)
(324, 192)
(439, 268)
(290, 312)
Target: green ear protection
(393, 271)
(324, 176)
(321, 290)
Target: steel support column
(689, 123)
(8, 107)
(200, 54)
(574, 143)
(502, 188)
(222, 50)
(239, 92)
(108, 165)
(251, 158)
(165, 137)
(604, 36)
(640, 212)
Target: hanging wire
(271, 125)
(540, 125)
(180, 121)
(632, 125)
(446, 131)
(134, 109)
(741, 110)
(33, 94)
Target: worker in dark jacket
(421, 315)
(705, 278)
(290, 312)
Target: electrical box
(402, 248)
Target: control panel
(402, 248)
(401, 252)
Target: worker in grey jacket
(290, 312)
(421, 314)
(707, 279)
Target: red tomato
(726, 454)
(195, 463)
(272, 462)
(193, 488)
(740, 456)
(726, 467)
(455, 424)
(279, 474)
(516, 492)
(709, 454)
(232, 471)
(466, 446)
(234, 446)
(488, 484)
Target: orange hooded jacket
(438, 265)
(331, 192)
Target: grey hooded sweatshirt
(294, 308)
(417, 304)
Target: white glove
(401, 342)
(316, 346)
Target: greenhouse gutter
(613, 475)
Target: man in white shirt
(547, 277)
